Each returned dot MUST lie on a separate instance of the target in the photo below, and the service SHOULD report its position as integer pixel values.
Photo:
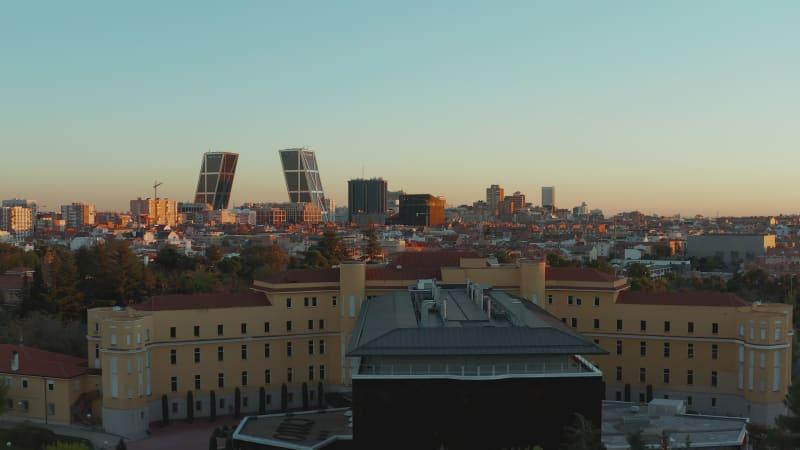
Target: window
(690, 377)
(690, 351)
(174, 407)
(642, 374)
(569, 300)
(714, 378)
(713, 402)
(172, 332)
(666, 326)
(643, 348)
(310, 324)
(777, 333)
(268, 376)
(321, 324)
(618, 396)
(596, 300)
(641, 397)
(245, 401)
(289, 302)
(689, 400)
(643, 325)
(244, 351)
(289, 375)
(322, 371)
(173, 356)
(714, 351)
(197, 330)
(25, 383)
(619, 347)
(578, 301)
(221, 381)
(619, 373)
(619, 324)
(96, 350)
(173, 383)
(596, 323)
(666, 349)
(311, 347)
(220, 354)
(244, 378)
(288, 325)
(269, 399)
(51, 386)
(333, 300)
(714, 328)
(266, 327)
(550, 299)
(741, 330)
(310, 373)
(220, 330)
(290, 397)
(51, 409)
(574, 322)
(222, 403)
(690, 327)
(321, 346)
(198, 405)
(288, 349)
(197, 381)
(666, 376)
(244, 328)
(306, 302)
(197, 354)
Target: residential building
(17, 220)
(421, 210)
(494, 196)
(731, 248)
(367, 201)
(303, 182)
(549, 197)
(216, 179)
(78, 215)
(158, 211)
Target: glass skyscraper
(216, 179)
(302, 177)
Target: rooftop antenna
(156, 184)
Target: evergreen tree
(583, 435)
(164, 410)
(262, 400)
(189, 406)
(373, 249)
(636, 441)
(305, 396)
(284, 397)
(237, 402)
(212, 416)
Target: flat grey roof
(306, 430)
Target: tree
(212, 441)
(3, 397)
(61, 445)
(237, 402)
(332, 247)
(231, 267)
(212, 416)
(321, 395)
(789, 425)
(583, 435)
(305, 395)
(373, 248)
(284, 397)
(189, 406)
(164, 410)
(262, 261)
(121, 445)
(213, 254)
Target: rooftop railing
(477, 370)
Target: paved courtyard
(181, 435)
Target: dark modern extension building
(302, 177)
(216, 179)
(467, 367)
(421, 210)
(366, 201)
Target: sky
(663, 107)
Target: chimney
(14, 361)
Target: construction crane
(156, 184)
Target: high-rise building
(216, 179)
(160, 211)
(302, 177)
(421, 210)
(549, 197)
(367, 200)
(78, 215)
(17, 220)
(494, 195)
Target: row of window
(666, 376)
(313, 373)
(24, 383)
(668, 350)
(173, 331)
(198, 404)
(577, 301)
(311, 302)
(642, 397)
(24, 406)
(643, 325)
(312, 346)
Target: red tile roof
(41, 363)
(433, 258)
(202, 301)
(405, 273)
(306, 276)
(578, 274)
(11, 281)
(683, 298)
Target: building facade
(79, 215)
(421, 210)
(17, 220)
(367, 200)
(549, 197)
(303, 182)
(731, 248)
(216, 179)
(494, 196)
(160, 211)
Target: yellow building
(48, 387)
(294, 329)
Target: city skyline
(662, 108)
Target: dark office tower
(302, 177)
(216, 179)
(366, 201)
(421, 210)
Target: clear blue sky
(665, 107)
